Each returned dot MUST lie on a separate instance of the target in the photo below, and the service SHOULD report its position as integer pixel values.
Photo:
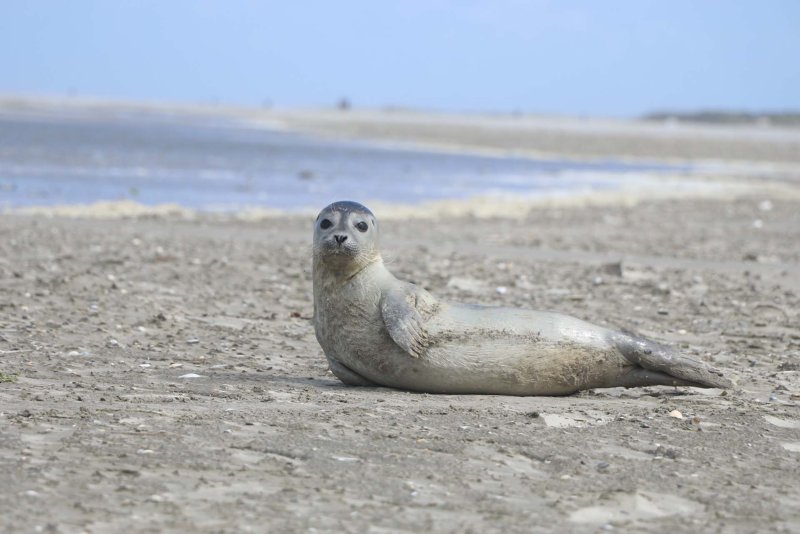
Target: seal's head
(345, 238)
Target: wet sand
(159, 372)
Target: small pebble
(676, 414)
(502, 290)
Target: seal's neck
(327, 274)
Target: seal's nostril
(340, 238)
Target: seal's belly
(509, 351)
(509, 367)
(475, 349)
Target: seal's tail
(657, 357)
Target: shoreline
(732, 149)
(727, 177)
(709, 188)
(482, 134)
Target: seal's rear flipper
(637, 377)
(656, 357)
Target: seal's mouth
(334, 247)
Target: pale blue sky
(617, 58)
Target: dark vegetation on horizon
(778, 118)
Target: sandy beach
(159, 370)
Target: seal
(376, 330)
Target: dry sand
(160, 373)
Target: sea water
(212, 164)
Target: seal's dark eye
(325, 224)
(362, 226)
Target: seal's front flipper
(347, 375)
(405, 311)
(656, 357)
